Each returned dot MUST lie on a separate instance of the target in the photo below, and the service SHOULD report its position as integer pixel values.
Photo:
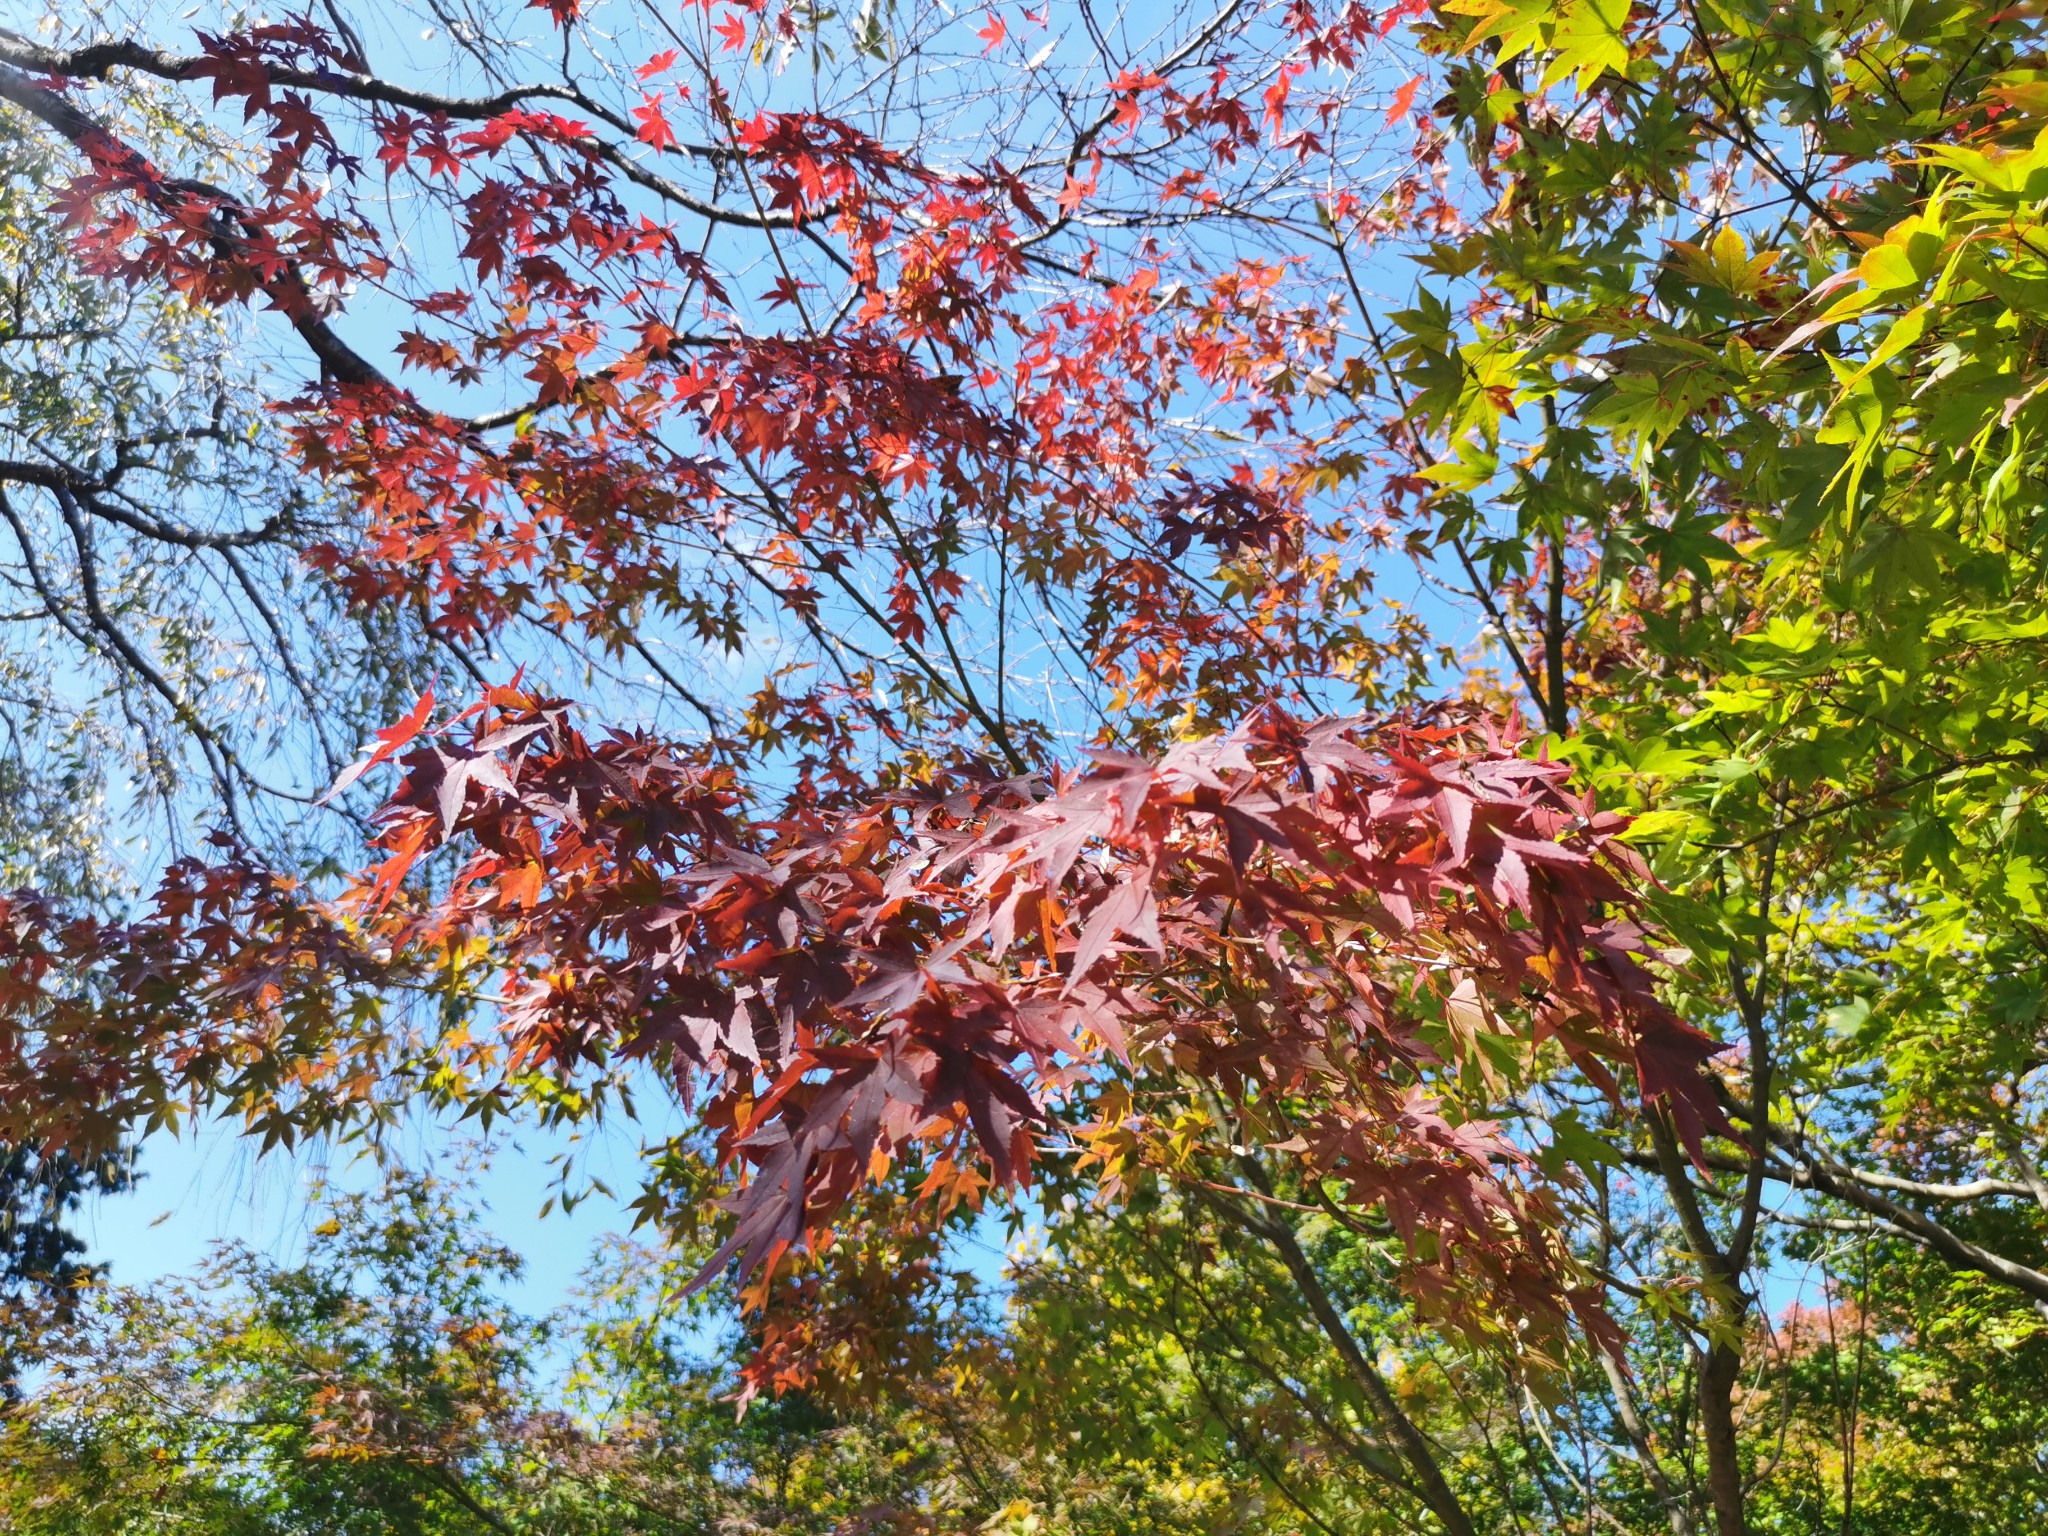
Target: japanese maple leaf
(1404, 99)
(1075, 193)
(993, 34)
(389, 740)
(1401, 13)
(441, 161)
(733, 31)
(654, 128)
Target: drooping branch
(282, 285)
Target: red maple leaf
(993, 34)
(389, 740)
(1404, 99)
(1401, 13)
(654, 128)
(785, 290)
(733, 30)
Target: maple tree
(624, 887)
(1748, 541)
(960, 530)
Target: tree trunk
(1719, 1372)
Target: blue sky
(209, 1185)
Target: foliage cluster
(958, 472)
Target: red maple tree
(871, 921)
